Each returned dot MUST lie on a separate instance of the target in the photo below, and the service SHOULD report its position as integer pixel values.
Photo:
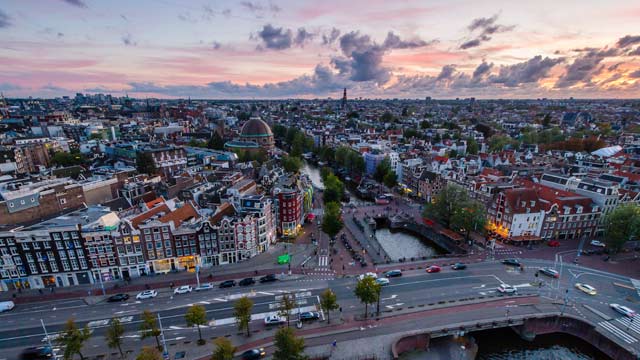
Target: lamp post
(165, 352)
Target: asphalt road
(21, 328)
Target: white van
(6, 306)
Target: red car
(433, 269)
(554, 243)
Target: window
(74, 264)
(179, 252)
(168, 252)
(63, 201)
(158, 245)
(149, 246)
(167, 244)
(65, 265)
(47, 245)
(25, 246)
(83, 263)
(36, 245)
(59, 245)
(147, 231)
(165, 229)
(33, 268)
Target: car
(184, 289)
(597, 243)
(554, 243)
(246, 282)
(382, 281)
(6, 306)
(253, 354)
(587, 289)
(309, 315)
(118, 298)
(393, 273)
(147, 294)
(227, 284)
(205, 286)
(550, 272)
(274, 320)
(433, 269)
(37, 353)
(512, 262)
(369, 274)
(458, 266)
(507, 289)
(268, 278)
(623, 310)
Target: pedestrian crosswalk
(618, 332)
(629, 324)
(323, 261)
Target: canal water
(314, 175)
(400, 245)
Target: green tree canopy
(149, 326)
(291, 164)
(72, 339)
(499, 142)
(145, 163)
(333, 189)
(382, 169)
(287, 303)
(242, 313)
(367, 290)
(390, 179)
(196, 315)
(114, 335)
(224, 349)
(621, 225)
(65, 159)
(472, 146)
(328, 303)
(332, 219)
(215, 142)
(387, 117)
(288, 346)
(448, 201)
(469, 216)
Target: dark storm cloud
(628, 40)
(530, 71)
(482, 69)
(302, 37)
(275, 38)
(330, 37)
(484, 28)
(5, 20)
(446, 73)
(78, 3)
(393, 41)
(635, 74)
(585, 67)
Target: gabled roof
(180, 215)
(137, 220)
(516, 197)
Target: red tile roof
(180, 215)
(136, 221)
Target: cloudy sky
(308, 49)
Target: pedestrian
(335, 343)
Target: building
(371, 161)
(255, 135)
(517, 215)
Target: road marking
(323, 260)
(394, 305)
(618, 332)
(219, 299)
(446, 279)
(265, 293)
(97, 323)
(479, 287)
(635, 326)
(204, 302)
(390, 298)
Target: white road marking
(618, 332)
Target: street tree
(390, 179)
(331, 221)
(328, 303)
(149, 327)
(470, 216)
(383, 168)
(288, 346)
(242, 313)
(448, 201)
(291, 164)
(367, 291)
(215, 142)
(145, 163)
(287, 304)
(114, 335)
(149, 353)
(472, 146)
(72, 339)
(621, 225)
(224, 349)
(333, 189)
(197, 315)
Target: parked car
(204, 286)
(185, 289)
(37, 353)
(369, 274)
(246, 282)
(118, 298)
(268, 278)
(507, 289)
(227, 284)
(253, 354)
(147, 294)
(597, 243)
(554, 243)
(382, 281)
(550, 272)
(587, 289)
(623, 310)
(6, 306)
(309, 315)
(393, 273)
(458, 266)
(274, 320)
(512, 262)
(433, 269)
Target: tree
(224, 349)
(114, 335)
(197, 315)
(149, 353)
(387, 117)
(287, 303)
(382, 169)
(367, 291)
(424, 124)
(298, 144)
(149, 326)
(96, 136)
(546, 121)
(242, 313)
(332, 219)
(145, 163)
(446, 203)
(72, 158)
(472, 146)
(288, 346)
(328, 302)
(72, 339)
(291, 164)
(469, 216)
(621, 225)
(390, 179)
(333, 189)
(215, 142)
(499, 142)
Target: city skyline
(285, 49)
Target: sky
(259, 49)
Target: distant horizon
(283, 49)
